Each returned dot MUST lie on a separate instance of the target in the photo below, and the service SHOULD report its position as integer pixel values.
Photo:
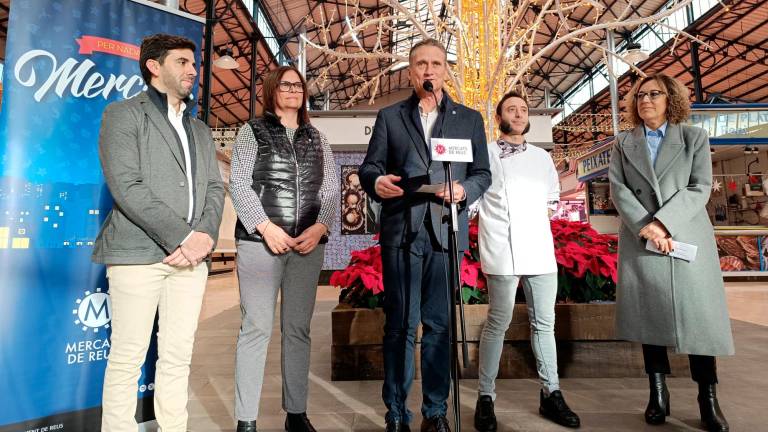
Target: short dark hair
(678, 102)
(518, 94)
(427, 42)
(511, 94)
(270, 89)
(156, 47)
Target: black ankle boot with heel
(658, 401)
(711, 415)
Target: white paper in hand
(431, 188)
(683, 251)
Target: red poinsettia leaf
(336, 278)
(469, 272)
(564, 259)
(482, 284)
(594, 265)
(369, 278)
(379, 287)
(605, 271)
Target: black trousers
(703, 368)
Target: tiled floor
(604, 404)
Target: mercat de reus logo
(93, 311)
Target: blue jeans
(540, 294)
(415, 287)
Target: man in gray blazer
(160, 166)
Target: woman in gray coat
(661, 176)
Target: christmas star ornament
(732, 186)
(716, 185)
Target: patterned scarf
(509, 149)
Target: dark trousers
(415, 291)
(703, 368)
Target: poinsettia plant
(361, 282)
(586, 262)
(474, 289)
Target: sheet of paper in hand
(683, 251)
(431, 188)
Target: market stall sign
(594, 164)
(742, 123)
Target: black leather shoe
(246, 426)
(658, 401)
(485, 418)
(437, 423)
(396, 426)
(553, 407)
(711, 415)
(298, 423)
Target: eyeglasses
(653, 94)
(295, 87)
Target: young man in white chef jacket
(516, 244)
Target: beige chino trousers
(137, 293)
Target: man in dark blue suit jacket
(414, 237)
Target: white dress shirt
(176, 119)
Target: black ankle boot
(298, 423)
(711, 415)
(658, 401)
(246, 426)
(485, 418)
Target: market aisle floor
(604, 404)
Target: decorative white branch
(520, 47)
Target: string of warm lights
(481, 37)
(591, 123)
(560, 154)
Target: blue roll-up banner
(65, 61)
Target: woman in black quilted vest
(285, 190)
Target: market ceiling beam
(704, 28)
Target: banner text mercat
(78, 78)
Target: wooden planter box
(586, 344)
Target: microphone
(429, 87)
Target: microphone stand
(453, 286)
